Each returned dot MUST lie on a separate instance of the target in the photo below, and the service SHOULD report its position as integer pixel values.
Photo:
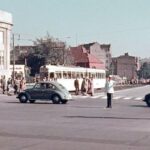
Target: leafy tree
(35, 61)
(144, 71)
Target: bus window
(73, 75)
(59, 75)
(51, 75)
(99, 75)
(64, 74)
(69, 75)
(82, 75)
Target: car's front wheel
(56, 99)
(23, 98)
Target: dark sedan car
(147, 99)
(46, 90)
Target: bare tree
(54, 51)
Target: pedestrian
(91, 86)
(76, 85)
(9, 82)
(109, 90)
(22, 84)
(84, 86)
(3, 84)
(16, 86)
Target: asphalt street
(82, 124)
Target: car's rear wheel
(23, 98)
(56, 99)
(32, 101)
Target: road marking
(104, 97)
(118, 97)
(96, 96)
(138, 98)
(127, 97)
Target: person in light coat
(109, 87)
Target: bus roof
(72, 69)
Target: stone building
(5, 30)
(125, 66)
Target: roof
(80, 56)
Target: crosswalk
(103, 96)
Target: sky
(125, 24)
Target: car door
(37, 91)
(50, 89)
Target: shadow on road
(28, 103)
(139, 106)
(103, 117)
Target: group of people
(10, 85)
(87, 87)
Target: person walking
(76, 85)
(22, 84)
(91, 86)
(3, 84)
(109, 90)
(9, 83)
(84, 87)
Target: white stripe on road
(117, 97)
(127, 98)
(96, 96)
(104, 97)
(139, 98)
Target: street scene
(74, 75)
(83, 123)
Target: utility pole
(13, 44)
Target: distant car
(147, 99)
(46, 90)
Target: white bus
(20, 71)
(66, 75)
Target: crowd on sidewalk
(12, 86)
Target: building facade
(5, 31)
(100, 52)
(125, 66)
(83, 58)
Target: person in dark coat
(76, 85)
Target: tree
(48, 51)
(54, 51)
(35, 61)
(144, 71)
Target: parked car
(46, 90)
(147, 99)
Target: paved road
(82, 124)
